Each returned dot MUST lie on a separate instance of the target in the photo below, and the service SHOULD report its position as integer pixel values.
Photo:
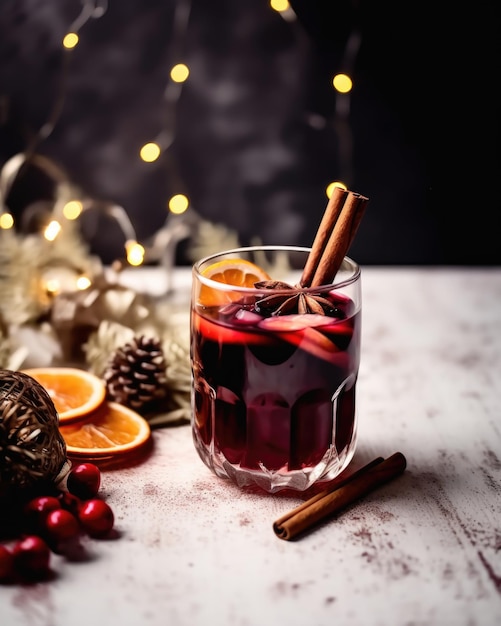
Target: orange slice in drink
(233, 272)
(112, 430)
(74, 392)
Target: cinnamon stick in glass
(329, 219)
(332, 501)
(340, 239)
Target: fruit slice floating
(294, 322)
(301, 330)
(235, 272)
(225, 334)
(314, 342)
(112, 430)
(74, 392)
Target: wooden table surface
(424, 549)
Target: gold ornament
(75, 316)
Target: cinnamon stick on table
(334, 237)
(331, 501)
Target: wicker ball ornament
(32, 450)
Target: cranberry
(61, 525)
(70, 502)
(38, 508)
(84, 480)
(96, 517)
(6, 563)
(31, 556)
(36, 511)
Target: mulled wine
(274, 389)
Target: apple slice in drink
(301, 330)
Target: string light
(279, 5)
(342, 83)
(150, 152)
(135, 253)
(176, 226)
(83, 282)
(6, 221)
(52, 286)
(72, 209)
(332, 186)
(52, 230)
(59, 279)
(178, 204)
(284, 8)
(179, 73)
(70, 41)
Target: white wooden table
(425, 549)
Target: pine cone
(135, 375)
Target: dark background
(257, 138)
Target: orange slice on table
(112, 430)
(235, 272)
(75, 392)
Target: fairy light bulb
(70, 40)
(83, 282)
(179, 73)
(52, 230)
(342, 83)
(135, 253)
(6, 221)
(150, 152)
(279, 5)
(332, 186)
(72, 209)
(52, 286)
(178, 204)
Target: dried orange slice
(74, 392)
(234, 272)
(113, 429)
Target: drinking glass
(274, 389)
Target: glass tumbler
(274, 368)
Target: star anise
(296, 302)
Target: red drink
(274, 396)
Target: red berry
(36, 511)
(70, 502)
(61, 525)
(31, 556)
(6, 563)
(84, 480)
(40, 506)
(96, 517)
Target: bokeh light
(342, 83)
(179, 73)
(6, 221)
(70, 40)
(135, 253)
(178, 204)
(279, 5)
(52, 230)
(83, 282)
(331, 186)
(150, 152)
(72, 209)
